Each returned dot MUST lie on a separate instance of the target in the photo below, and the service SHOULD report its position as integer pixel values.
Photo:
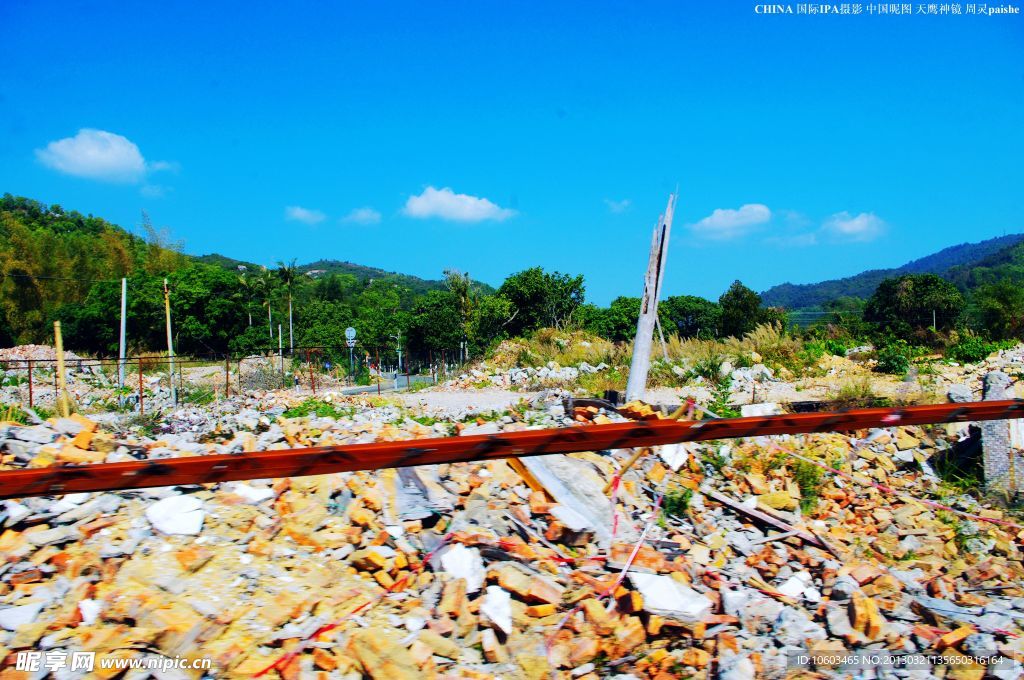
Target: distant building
(313, 273)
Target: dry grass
(566, 348)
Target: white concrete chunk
(497, 607)
(667, 597)
(463, 562)
(177, 515)
(12, 618)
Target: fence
(164, 380)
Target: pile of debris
(547, 376)
(731, 559)
(17, 357)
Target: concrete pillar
(1001, 462)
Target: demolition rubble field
(556, 566)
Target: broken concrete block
(177, 515)
(665, 596)
(382, 657)
(532, 588)
(463, 562)
(777, 500)
(12, 618)
(497, 607)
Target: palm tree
(247, 291)
(289, 273)
(461, 287)
(265, 287)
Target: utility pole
(649, 305)
(121, 353)
(62, 385)
(170, 343)
(398, 348)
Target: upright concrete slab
(1001, 462)
(575, 485)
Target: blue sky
(492, 137)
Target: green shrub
(971, 349)
(835, 347)
(708, 367)
(812, 351)
(894, 358)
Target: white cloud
(618, 206)
(448, 205)
(365, 215)
(728, 223)
(846, 227)
(296, 213)
(99, 155)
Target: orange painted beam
(327, 459)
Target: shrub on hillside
(971, 349)
(893, 358)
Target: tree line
(57, 264)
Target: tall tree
(691, 316)
(906, 305)
(460, 287)
(542, 299)
(247, 290)
(436, 322)
(741, 310)
(289, 274)
(265, 283)
(1000, 309)
(618, 321)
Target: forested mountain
(62, 265)
(954, 263)
(322, 268)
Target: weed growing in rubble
(43, 412)
(598, 383)
(198, 395)
(713, 457)
(853, 393)
(677, 501)
(13, 414)
(708, 367)
(957, 476)
(808, 478)
(319, 408)
(720, 405)
(148, 424)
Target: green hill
(363, 273)
(957, 263)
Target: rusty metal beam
(327, 459)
